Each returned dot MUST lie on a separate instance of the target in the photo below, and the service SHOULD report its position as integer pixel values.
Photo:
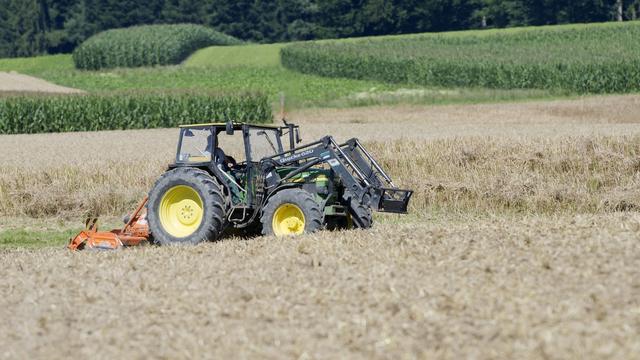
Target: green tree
(182, 11)
(379, 17)
(290, 20)
(231, 17)
(30, 27)
(24, 24)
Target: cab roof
(236, 126)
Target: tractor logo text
(295, 156)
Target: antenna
(282, 112)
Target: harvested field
(472, 176)
(562, 156)
(522, 243)
(529, 287)
(14, 82)
(603, 115)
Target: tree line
(34, 27)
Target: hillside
(590, 58)
(255, 68)
(39, 27)
(439, 70)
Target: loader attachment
(387, 197)
(134, 232)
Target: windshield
(195, 145)
(264, 143)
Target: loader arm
(362, 176)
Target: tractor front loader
(271, 191)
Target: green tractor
(269, 189)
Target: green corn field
(146, 46)
(42, 114)
(600, 58)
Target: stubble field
(502, 288)
(523, 241)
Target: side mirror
(298, 139)
(229, 128)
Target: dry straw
(472, 176)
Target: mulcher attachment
(134, 232)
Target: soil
(529, 287)
(14, 82)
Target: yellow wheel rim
(181, 211)
(288, 220)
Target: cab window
(264, 143)
(232, 145)
(195, 145)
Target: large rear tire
(291, 212)
(186, 206)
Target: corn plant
(43, 114)
(602, 58)
(146, 45)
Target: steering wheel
(232, 160)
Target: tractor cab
(197, 143)
(232, 152)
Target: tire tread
(214, 200)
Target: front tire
(186, 206)
(361, 215)
(291, 212)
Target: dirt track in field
(600, 115)
(504, 288)
(14, 82)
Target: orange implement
(134, 232)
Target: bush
(601, 58)
(146, 46)
(41, 114)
